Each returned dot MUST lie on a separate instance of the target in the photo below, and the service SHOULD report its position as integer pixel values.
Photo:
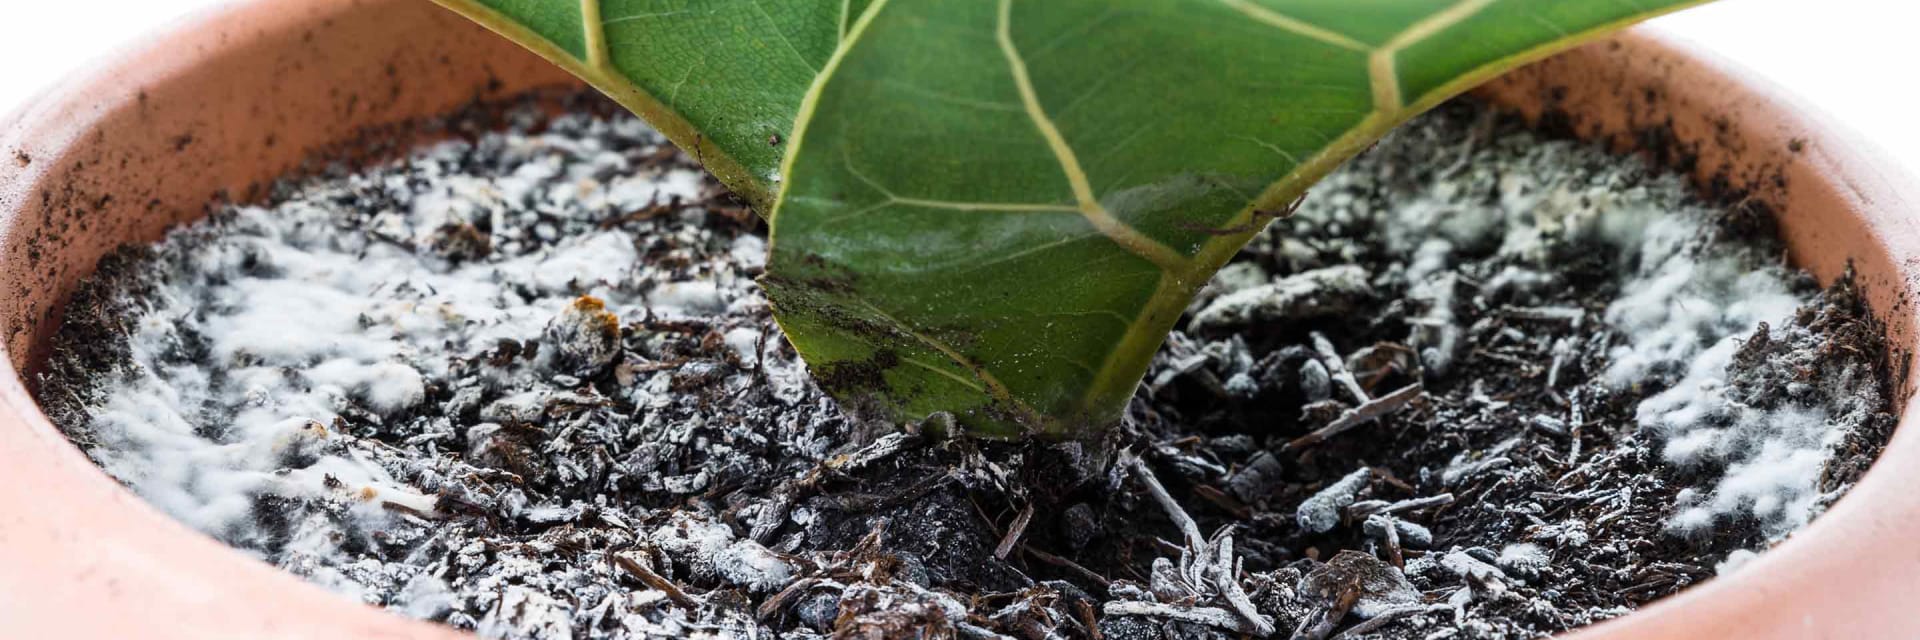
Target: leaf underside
(999, 208)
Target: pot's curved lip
(100, 562)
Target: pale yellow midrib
(1296, 25)
(846, 7)
(595, 32)
(1096, 214)
(1382, 71)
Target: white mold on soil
(1686, 303)
(525, 385)
(301, 319)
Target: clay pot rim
(1866, 183)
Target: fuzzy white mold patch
(303, 321)
(1683, 314)
(1685, 303)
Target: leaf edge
(598, 72)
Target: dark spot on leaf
(851, 378)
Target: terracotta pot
(226, 102)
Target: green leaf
(721, 78)
(999, 208)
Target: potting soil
(1482, 384)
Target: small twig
(779, 601)
(654, 580)
(1549, 314)
(1578, 418)
(1166, 546)
(1320, 512)
(970, 630)
(1337, 367)
(1316, 627)
(1014, 532)
(1188, 527)
(404, 509)
(1548, 425)
(1482, 128)
(654, 209)
(1210, 616)
(1227, 578)
(1068, 565)
(662, 365)
(1368, 411)
(858, 503)
(1389, 538)
(1085, 609)
(1583, 469)
(1504, 358)
(1415, 504)
(1200, 560)
(878, 450)
(1573, 449)
(1386, 617)
(1223, 501)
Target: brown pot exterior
(226, 102)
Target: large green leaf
(721, 78)
(999, 208)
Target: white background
(1853, 58)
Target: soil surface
(1481, 384)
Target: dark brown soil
(1547, 506)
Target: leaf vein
(775, 24)
(594, 31)
(970, 384)
(673, 92)
(1128, 237)
(1381, 63)
(1283, 153)
(949, 98)
(1296, 26)
(994, 387)
(935, 203)
(846, 7)
(642, 16)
